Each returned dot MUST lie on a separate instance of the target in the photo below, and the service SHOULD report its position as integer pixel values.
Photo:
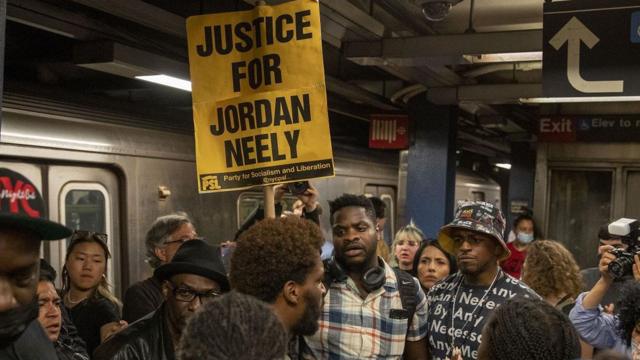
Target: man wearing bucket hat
(22, 227)
(460, 305)
(194, 276)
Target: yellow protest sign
(259, 96)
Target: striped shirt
(356, 328)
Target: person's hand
(636, 267)
(112, 328)
(309, 198)
(279, 191)
(456, 354)
(605, 259)
(609, 309)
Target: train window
(85, 209)
(579, 202)
(86, 206)
(478, 195)
(248, 202)
(632, 208)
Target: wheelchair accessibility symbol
(635, 27)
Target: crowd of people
(467, 294)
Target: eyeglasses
(84, 234)
(186, 294)
(181, 241)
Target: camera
(298, 188)
(627, 230)
(436, 10)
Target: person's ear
(165, 289)
(161, 254)
(291, 292)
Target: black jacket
(147, 338)
(70, 345)
(141, 299)
(33, 344)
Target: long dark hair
(453, 266)
(104, 288)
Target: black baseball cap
(22, 207)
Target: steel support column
(521, 178)
(432, 167)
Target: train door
(81, 198)
(85, 198)
(632, 193)
(388, 195)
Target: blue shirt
(597, 328)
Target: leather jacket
(147, 338)
(33, 344)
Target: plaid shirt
(353, 328)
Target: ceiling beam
(487, 94)
(415, 51)
(52, 19)
(142, 13)
(357, 94)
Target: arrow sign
(574, 32)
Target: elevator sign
(591, 48)
(593, 128)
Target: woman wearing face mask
(433, 264)
(95, 311)
(404, 247)
(523, 228)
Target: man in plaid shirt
(363, 315)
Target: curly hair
(628, 310)
(234, 326)
(273, 252)
(546, 334)
(550, 269)
(347, 200)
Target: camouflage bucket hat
(477, 216)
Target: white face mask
(525, 238)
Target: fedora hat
(478, 216)
(22, 207)
(198, 258)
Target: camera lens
(621, 266)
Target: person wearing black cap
(194, 275)
(22, 227)
(590, 276)
(460, 304)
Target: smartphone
(298, 187)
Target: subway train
(98, 174)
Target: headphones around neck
(373, 278)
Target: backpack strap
(408, 293)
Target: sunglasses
(84, 234)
